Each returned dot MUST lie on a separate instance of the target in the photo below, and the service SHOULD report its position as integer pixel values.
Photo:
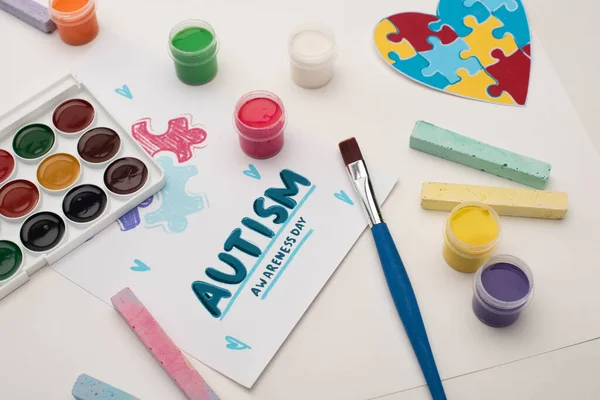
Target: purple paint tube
(502, 288)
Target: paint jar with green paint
(193, 45)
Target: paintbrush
(393, 268)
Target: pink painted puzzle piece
(180, 138)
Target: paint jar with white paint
(312, 51)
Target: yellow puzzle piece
(476, 86)
(481, 41)
(385, 46)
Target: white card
(232, 252)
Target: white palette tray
(39, 110)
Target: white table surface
(52, 330)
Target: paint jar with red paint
(259, 119)
(75, 20)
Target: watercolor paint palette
(67, 170)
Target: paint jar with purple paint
(502, 288)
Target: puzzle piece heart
(252, 172)
(235, 344)
(344, 197)
(125, 92)
(139, 266)
(478, 49)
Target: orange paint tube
(75, 19)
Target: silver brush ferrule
(362, 185)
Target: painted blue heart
(139, 266)
(236, 344)
(125, 92)
(343, 196)
(252, 172)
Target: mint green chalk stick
(460, 149)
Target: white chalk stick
(506, 201)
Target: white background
(53, 330)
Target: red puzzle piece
(512, 74)
(414, 27)
(527, 50)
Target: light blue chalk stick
(460, 149)
(88, 388)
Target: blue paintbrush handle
(406, 304)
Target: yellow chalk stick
(505, 201)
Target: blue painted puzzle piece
(492, 5)
(177, 203)
(515, 23)
(453, 12)
(446, 59)
(412, 68)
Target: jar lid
(312, 45)
(201, 49)
(70, 14)
(457, 242)
(505, 283)
(265, 130)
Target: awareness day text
(210, 294)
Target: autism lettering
(180, 138)
(176, 203)
(237, 248)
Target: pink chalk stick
(161, 346)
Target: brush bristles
(350, 151)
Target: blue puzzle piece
(492, 5)
(515, 23)
(453, 12)
(412, 68)
(177, 203)
(446, 59)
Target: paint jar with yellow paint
(471, 234)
